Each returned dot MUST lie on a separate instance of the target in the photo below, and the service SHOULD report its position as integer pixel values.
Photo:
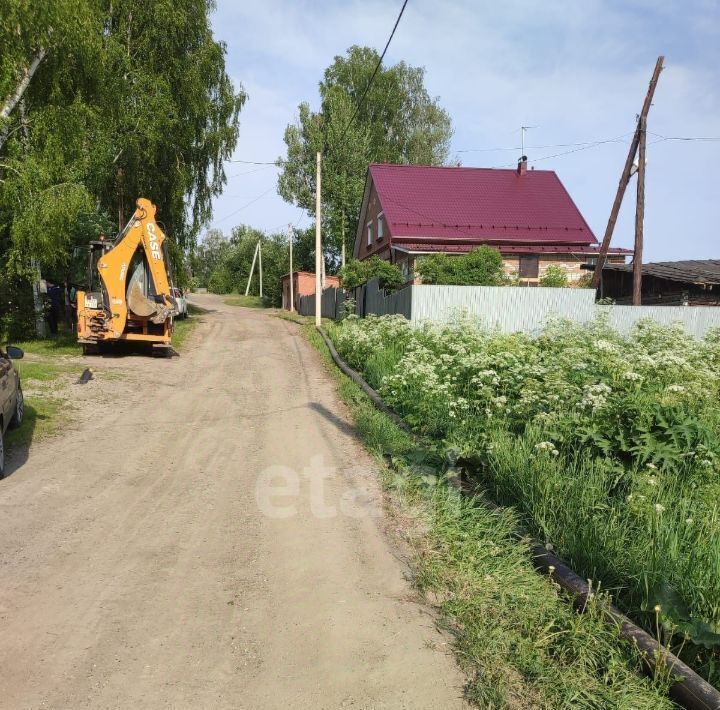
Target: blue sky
(576, 69)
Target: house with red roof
(412, 210)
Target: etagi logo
(280, 492)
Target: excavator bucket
(139, 304)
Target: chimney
(522, 165)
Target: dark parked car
(12, 405)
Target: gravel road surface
(207, 533)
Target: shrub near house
(480, 267)
(356, 273)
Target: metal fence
(524, 310)
(333, 304)
(696, 320)
(370, 298)
(506, 309)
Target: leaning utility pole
(292, 277)
(252, 269)
(639, 214)
(318, 244)
(625, 177)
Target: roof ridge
(455, 167)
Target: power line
(248, 172)
(527, 147)
(681, 138)
(584, 145)
(377, 68)
(276, 163)
(618, 139)
(247, 204)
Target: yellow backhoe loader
(129, 296)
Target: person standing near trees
(70, 305)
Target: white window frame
(380, 226)
(369, 233)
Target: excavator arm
(120, 303)
(142, 230)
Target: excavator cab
(129, 294)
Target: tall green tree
(207, 255)
(398, 122)
(231, 273)
(102, 101)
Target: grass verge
(245, 301)
(42, 417)
(517, 636)
(183, 328)
(64, 343)
(47, 368)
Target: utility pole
(259, 246)
(342, 258)
(252, 269)
(639, 214)
(292, 276)
(625, 177)
(318, 243)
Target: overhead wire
(617, 139)
(374, 74)
(247, 204)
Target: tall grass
(607, 447)
(518, 638)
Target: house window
(381, 227)
(529, 266)
(369, 234)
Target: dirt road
(206, 535)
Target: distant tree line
(222, 263)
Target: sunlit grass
(244, 301)
(606, 446)
(184, 327)
(522, 643)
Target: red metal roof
(479, 205)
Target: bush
(481, 267)
(356, 273)
(221, 280)
(607, 445)
(554, 277)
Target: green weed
(607, 447)
(245, 301)
(520, 641)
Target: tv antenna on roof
(522, 137)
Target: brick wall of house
(570, 264)
(303, 285)
(379, 245)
